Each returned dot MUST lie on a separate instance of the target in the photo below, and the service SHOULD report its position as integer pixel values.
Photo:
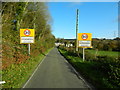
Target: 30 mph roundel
(84, 36)
(27, 32)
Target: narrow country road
(55, 72)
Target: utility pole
(77, 31)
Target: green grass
(17, 74)
(104, 53)
(89, 70)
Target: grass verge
(104, 53)
(17, 74)
(89, 70)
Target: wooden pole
(77, 31)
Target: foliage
(100, 44)
(109, 64)
(106, 44)
(103, 71)
(23, 15)
(16, 15)
(17, 74)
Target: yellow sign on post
(84, 40)
(27, 36)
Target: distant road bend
(55, 72)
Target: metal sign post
(83, 54)
(29, 48)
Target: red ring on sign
(86, 36)
(27, 30)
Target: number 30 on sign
(27, 36)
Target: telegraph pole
(77, 31)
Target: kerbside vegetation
(17, 65)
(101, 66)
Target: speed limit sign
(27, 36)
(27, 32)
(84, 36)
(84, 39)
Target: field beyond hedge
(104, 53)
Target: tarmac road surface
(55, 72)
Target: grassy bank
(104, 53)
(95, 72)
(16, 75)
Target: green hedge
(108, 67)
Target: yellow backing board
(22, 33)
(27, 36)
(87, 35)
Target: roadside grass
(104, 53)
(16, 75)
(89, 70)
